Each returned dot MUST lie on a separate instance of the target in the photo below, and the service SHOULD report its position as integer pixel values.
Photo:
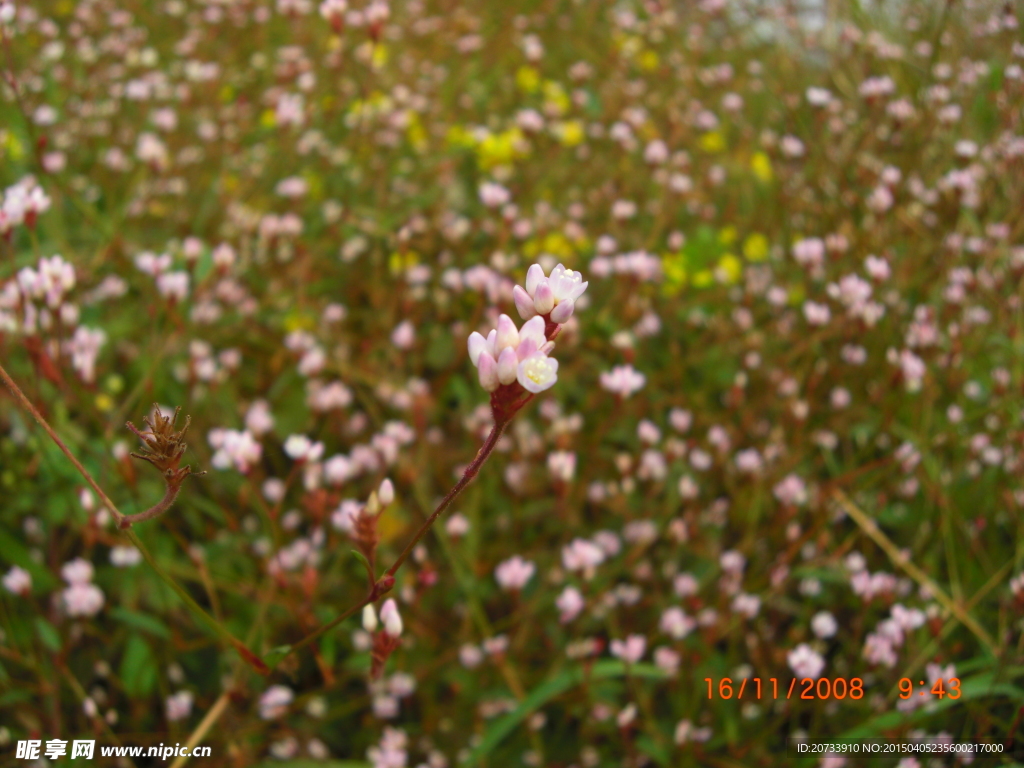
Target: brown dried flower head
(163, 447)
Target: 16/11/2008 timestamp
(822, 688)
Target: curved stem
(158, 509)
(25, 403)
(218, 628)
(387, 581)
(467, 477)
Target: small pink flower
(623, 380)
(514, 573)
(570, 603)
(630, 650)
(17, 581)
(805, 661)
(83, 599)
(274, 701)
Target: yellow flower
(14, 147)
(268, 119)
(570, 133)
(104, 402)
(731, 268)
(459, 136)
(500, 148)
(415, 132)
(556, 97)
(673, 269)
(400, 262)
(557, 244)
(314, 186)
(703, 279)
(755, 247)
(712, 142)
(761, 167)
(648, 61)
(727, 235)
(528, 79)
(299, 321)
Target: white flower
(514, 573)
(333, 8)
(301, 448)
(630, 650)
(553, 295)
(77, 571)
(125, 557)
(805, 661)
(824, 624)
(179, 706)
(390, 618)
(537, 372)
(623, 380)
(500, 356)
(17, 580)
(274, 701)
(83, 599)
(570, 603)
(493, 195)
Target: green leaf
(978, 687)
(141, 621)
(14, 696)
(554, 687)
(274, 655)
(17, 553)
(361, 558)
(138, 667)
(48, 634)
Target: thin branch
(258, 664)
(25, 403)
(467, 477)
(387, 581)
(870, 527)
(218, 709)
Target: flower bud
(369, 618)
(534, 276)
(563, 311)
(391, 619)
(386, 492)
(508, 363)
(543, 299)
(477, 344)
(372, 505)
(488, 370)
(524, 303)
(508, 334)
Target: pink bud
(508, 334)
(544, 298)
(524, 303)
(390, 618)
(534, 275)
(563, 311)
(386, 492)
(508, 364)
(488, 370)
(477, 344)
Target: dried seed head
(162, 446)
